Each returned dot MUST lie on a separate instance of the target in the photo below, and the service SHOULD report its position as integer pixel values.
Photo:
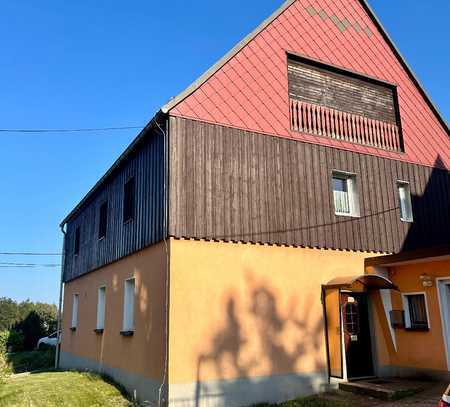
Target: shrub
(4, 335)
(15, 341)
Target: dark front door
(355, 320)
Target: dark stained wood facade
(347, 92)
(147, 165)
(241, 186)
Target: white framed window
(128, 305)
(345, 194)
(416, 311)
(404, 196)
(101, 304)
(75, 303)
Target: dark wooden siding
(320, 86)
(241, 186)
(146, 164)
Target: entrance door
(357, 344)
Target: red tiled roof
(250, 90)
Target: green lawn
(55, 389)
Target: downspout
(61, 285)
(162, 391)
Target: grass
(312, 401)
(65, 389)
(30, 361)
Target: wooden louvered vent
(324, 121)
(330, 102)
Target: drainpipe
(162, 391)
(61, 285)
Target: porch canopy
(369, 281)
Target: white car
(50, 340)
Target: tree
(9, 313)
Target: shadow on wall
(431, 226)
(257, 343)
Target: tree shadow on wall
(431, 212)
(249, 354)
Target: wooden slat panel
(147, 167)
(315, 85)
(273, 190)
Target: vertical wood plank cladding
(258, 188)
(146, 165)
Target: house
(224, 259)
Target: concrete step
(384, 389)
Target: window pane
(417, 311)
(76, 248)
(405, 202)
(101, 308)
(75, 310)
(128, 306)
(128, 201)
(103, 220)
(341, 195)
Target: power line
(28, 254)
(28, 265)
(70, 130)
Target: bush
(15, 341)
(4, 335)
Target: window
(128, 306)
(75, 301)
(101, 308)
(128, 201)
(103, 220)
(404, 194)
(416, 311)
(345, 194)
(76, 247)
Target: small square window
(345, 194)
(128, 200)
(76, 246)
(103, 220)
(416, 312)
(404, 194)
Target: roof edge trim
(113, 167)
(226, 58)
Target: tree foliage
(26, 322)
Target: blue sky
(114, 63)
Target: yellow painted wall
(423, 350)
(142, 353)
(243, 310)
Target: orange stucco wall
(415, 349)
(142, 353)
(243, 310)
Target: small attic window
(332, 102)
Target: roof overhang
(438, 253)
(369, 281)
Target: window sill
(99, 331)
(407, 220)
(127, 333)
(73, 329)
(347, 215)
(417, 329)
